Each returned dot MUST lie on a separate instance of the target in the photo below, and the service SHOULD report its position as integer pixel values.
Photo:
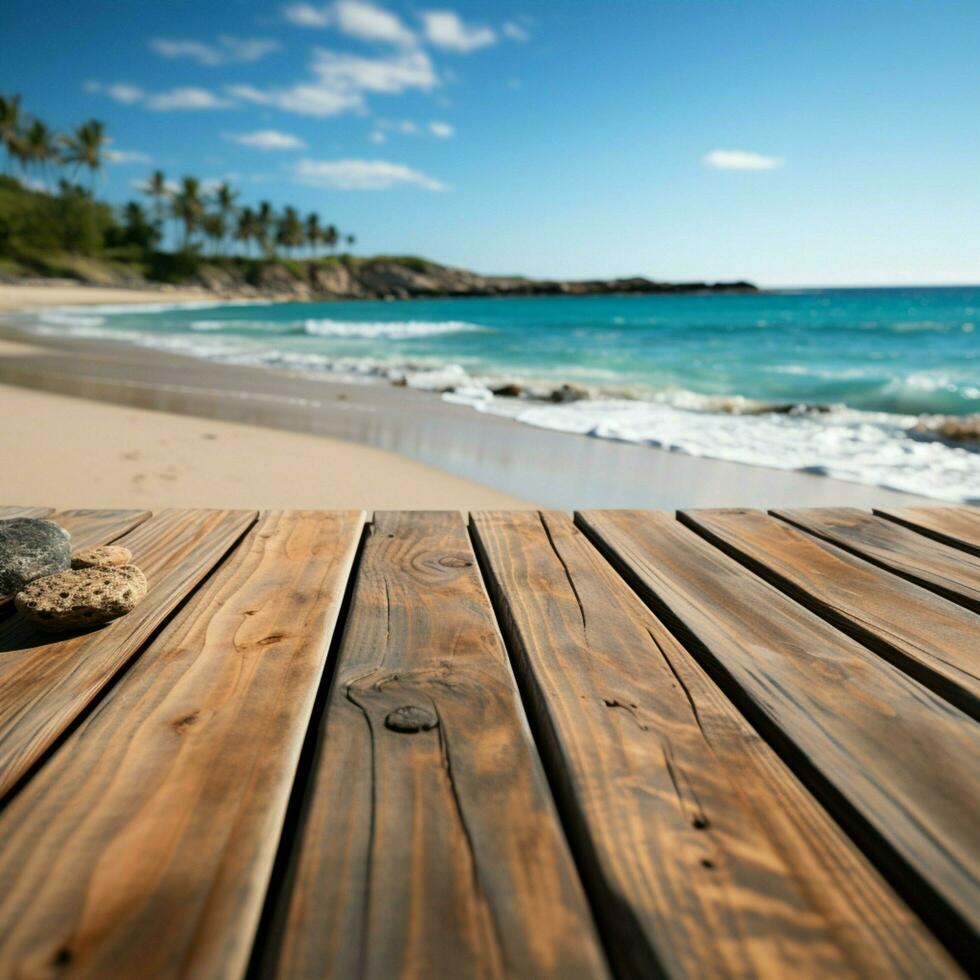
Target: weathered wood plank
(144, 846)
(703, 854)
(430, 846)
(895, 763)
(946, 571)
(958, 527)
(45, 682)
(931, 639)
(91, 528)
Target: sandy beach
(73, 452)
(149, 428)
(33, 296)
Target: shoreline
(514, 459)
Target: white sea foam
(166, 307)
(861, 447)
(403, 330)
(60, 318)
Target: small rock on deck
(619, 743)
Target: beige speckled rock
(82, 597)
(110, 554)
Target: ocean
(843, 382)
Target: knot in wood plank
(454, 561)
(410, 718)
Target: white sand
(34, 296)
(70, 452)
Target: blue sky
(788, 142)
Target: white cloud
(120, 92)
(127, 156)
(340, 81)
(185, 98)
(175, 98)
(306, 15)
(348, 72)
(143, 185)
(361, 175)
(516, 32)
(740, 160)
(407, 127)
(267, 139)
(228, 49)
(446, 29)
(248, 49)
(355, 18)
(304, 99)
(370, 23)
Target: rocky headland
(348, 277)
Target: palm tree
(214, 228)
(313, 232)
(264, 219)
(188, 207)
(331, 236)
(225, 196)
(246, 228)
(85, 147)
(157, 189)
(289, 230)
(10, 126)
(139, 229)
(39, 146)
(351, 241)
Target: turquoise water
(889, 350)
(690, 373)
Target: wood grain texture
(958, 527)
(430, 846)
(143, 848)
(703, 854)
(91, 528)
(931, 639)
(45, 682)
(894, 762)
(946, 571)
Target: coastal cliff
(406, 278)
(337, 277)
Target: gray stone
(29, 549)
(82, 597)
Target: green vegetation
(51, 224)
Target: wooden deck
(628, 743)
